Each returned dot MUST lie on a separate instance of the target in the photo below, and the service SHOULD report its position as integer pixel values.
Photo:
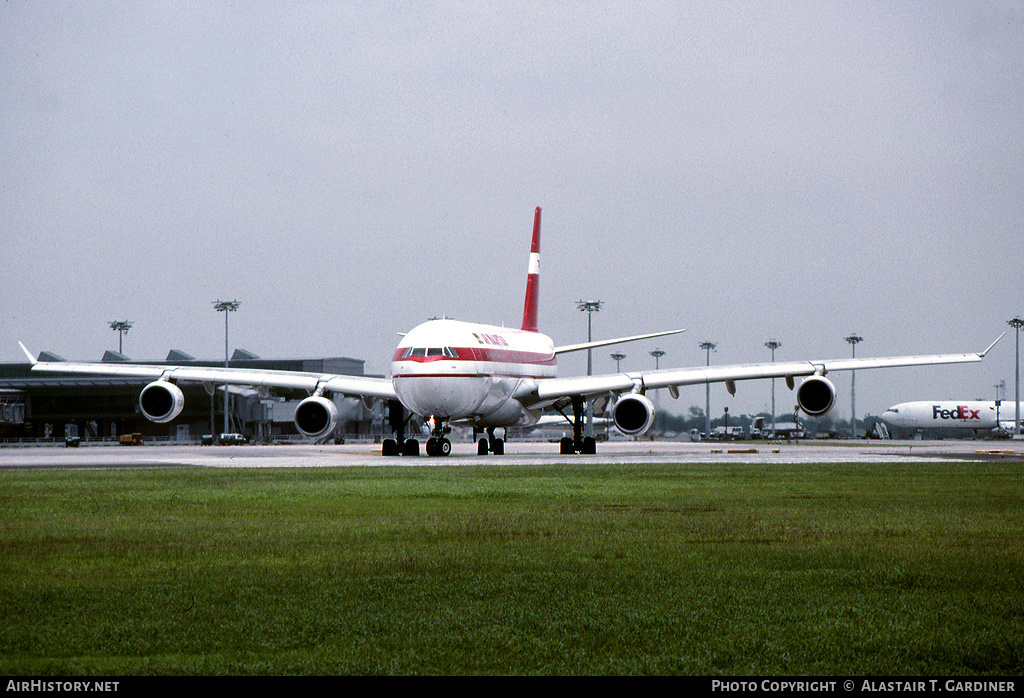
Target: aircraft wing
(352, 386)
(547, 393)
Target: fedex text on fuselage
(961, 412)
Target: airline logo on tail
(533, 279)
(961, 412)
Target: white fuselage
(469, 373)
(952, 414)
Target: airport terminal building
(51, 406)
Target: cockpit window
(429, 351)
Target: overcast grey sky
(749, 171)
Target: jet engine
(633, 414)
(816, 395)
(161, 401)
(316, 416)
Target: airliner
(983, 416)
(487, 377)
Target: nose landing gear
(438, 444)
(438, 447)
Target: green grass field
(866, 569)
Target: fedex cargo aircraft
(983, 416)
(488, 377)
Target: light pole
(773, 345)
(226, 307)
(122, 327)
(853, 340)
(1016, 323)
(657, 354)
(708, 347)
(589, 307)
(618, 357)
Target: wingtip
(31, 359)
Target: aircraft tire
(498, 447)
(411, 448)
(565, 446)
(589, 445)
(481, 447)
(444, 447)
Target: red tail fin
(533, 279)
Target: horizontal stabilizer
(982, 354)
(31, 359)
(605, 342)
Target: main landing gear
(490, 444)
(439, 445)
(399, 446)
(579, 443)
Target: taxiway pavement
(464, 454)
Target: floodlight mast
(1016, 323)
(589, 307)
(773, 344)
(853, 340)
(617, 357)
(657, 354)
(226, 307)
(121, 327)
(708, 347)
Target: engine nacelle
(816, 395)
(633, 414)
(161, 401)
(316, 416)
